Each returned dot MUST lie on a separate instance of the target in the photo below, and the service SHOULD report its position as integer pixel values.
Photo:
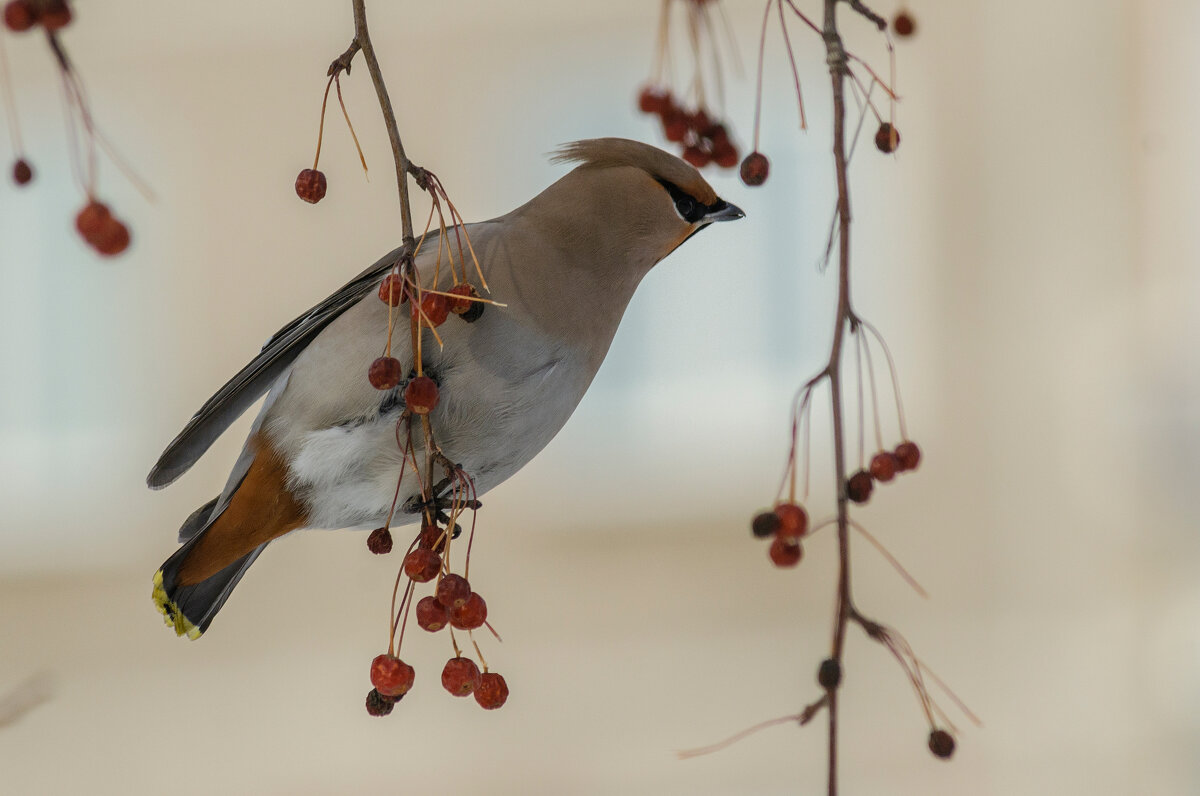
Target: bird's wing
(256, 378)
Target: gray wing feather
(256, 378)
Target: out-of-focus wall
(1029, 253)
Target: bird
(322, 452)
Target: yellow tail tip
(170, 611)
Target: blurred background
(1029, 253)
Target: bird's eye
(689, 208)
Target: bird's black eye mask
(688, 206)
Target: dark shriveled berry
(830, 674)
(380, 541)
(22, 172)
(765, 525)
(941, 743)
(492, 691)
(378, 704)
(859, 487)
(755, 169)
(904, 24)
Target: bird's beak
(724, 212)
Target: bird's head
(635, 199)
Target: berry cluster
(103, 231)
(785, 525)
(703, 140)
(883, 468)
(22, 15)
(453, 603)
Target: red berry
(22, 172)
(380, 541)
(453, 591)
(460, 305)
(884, 466)
(492, 691)
(697, 156)
(469, 615)
(652, 100)
(887, 138)
(392, 290)
(435, 308)
(699, 122)
(421, 395)
(725, 154)
(786, 551)
(55, 15)
(904, 25)
(378, 704)
(765, 524)
(19, 16)
(460, 676)
(112, 239)
(391, 676)
(431, 538)
(310, 186)
(859, 487)
(909, 455)
(755, 169)
(431, 614)
(384, 373)
(422, 565)
(91, 220)
(675, 127)
(941, 743)
(793, 520)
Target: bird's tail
(190, 608)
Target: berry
(859, 487)
(460, 676)
(941, 743)
(884, 466)
(725, 154)
(422, 565)
(830, 674)
(384, 373)
(431, 614)
(460, 305)
(793, 520)
(91, 220)
(55, 15)
(908, 455)
(474, 313)
(112, 239)
(755, 169)
(786, 551)
(431, 539)
(392, 290)
(469, 615)
(380, 705)
(492, 691)
(421, 395)
(697, 156)
(887, 138)
(380, 541)
(675, 126)
(310, 186)
(391, 676)
(22, 172)
(904, 25)
(435, 308)
(453, 591)
(19, 16)
(651, 100)
(765, 524)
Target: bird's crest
(604, 153)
